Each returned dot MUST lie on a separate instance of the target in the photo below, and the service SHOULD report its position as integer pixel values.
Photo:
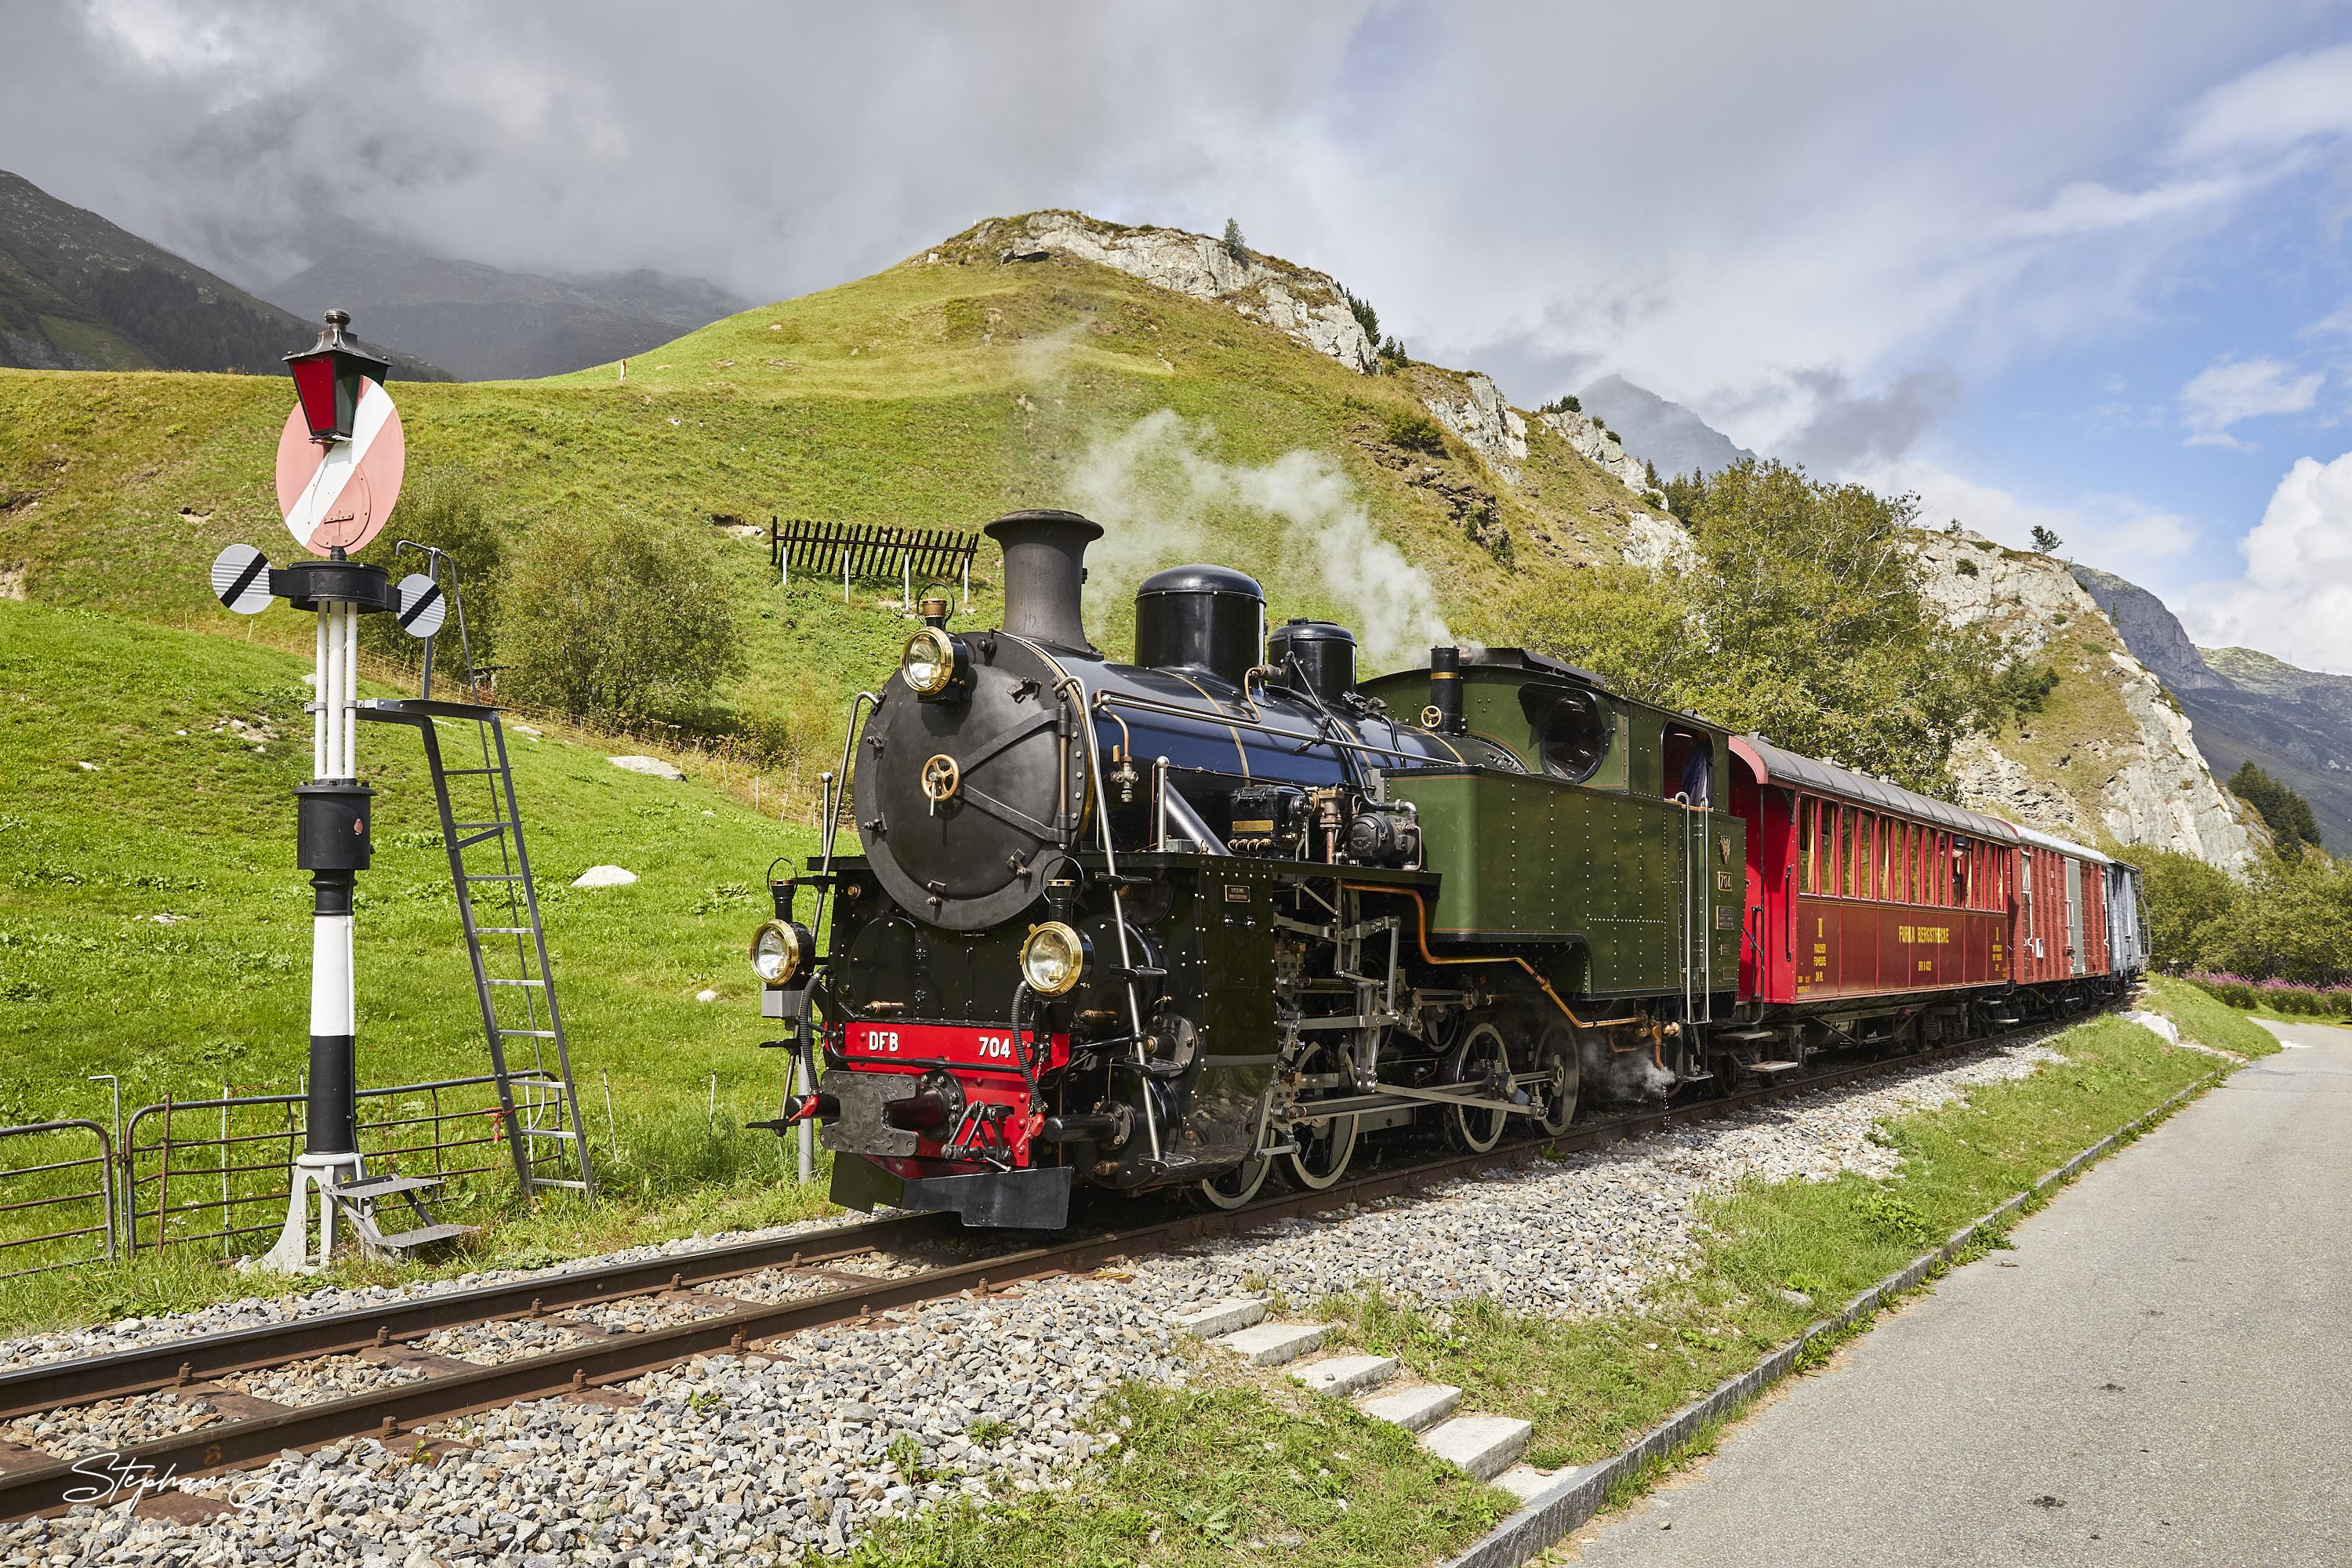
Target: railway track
(33, 1482)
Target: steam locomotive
(1229, 910)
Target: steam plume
(1153, 485)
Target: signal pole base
(320, 1173)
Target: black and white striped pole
(339, 469)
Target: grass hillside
(152, 924)
(151, 772)
(930, 394)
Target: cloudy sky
(2080, 264)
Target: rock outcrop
(2115, 757)
(2149, 629)
(1474, 409)
(1659, 543)
(1308, 306)
(1590, 441)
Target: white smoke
(1153, 485)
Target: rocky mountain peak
(1309, 306)
(1657, 431)
(2112, 756)
(2152, 631)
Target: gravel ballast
(787, 1453)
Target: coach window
(1889, 830)
(1805, 845)
(1863, 887)
(1825, 850)
(1913, 840)
(1846, 815)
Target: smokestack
(1045, 563)
(1445, 690)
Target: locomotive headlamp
(1052, 959)
(780, 949)
(934, 662)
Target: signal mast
(340, 462)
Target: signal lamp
(780, 949)
(1052, 959)
(329, 377)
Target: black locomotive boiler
(1223, 909)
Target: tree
(2046, 541)
(1685, 496)
(2287, 814)
(617, 616)
(2294, 923)
(1804, 622)
(1366, 317)
(445, 508)
(2188, 902)
(1235, 246)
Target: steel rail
(388, 1411)
(37, 1390)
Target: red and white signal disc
(341, 495)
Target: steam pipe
(1212, 716)
(1421, 936)
(1117, 897)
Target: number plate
(964, 1045)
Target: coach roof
(2079, 851)
(1770, 763)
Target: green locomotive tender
(1180, 921)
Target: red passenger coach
(1860, 888)
(2061, 927)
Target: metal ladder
(540, 1106)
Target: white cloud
(2087, 208)
(2273, 107)
(2229, 391)
(2114, 532)
(2294, 601)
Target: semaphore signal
(340, 462)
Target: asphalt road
(2160, 1373)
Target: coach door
(2076, 954)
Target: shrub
(1563, 404)
(1412, 432)
(621, 616)
(2018, 690)
(447, 508)
(1967, 568)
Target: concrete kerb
(1575, 1496)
